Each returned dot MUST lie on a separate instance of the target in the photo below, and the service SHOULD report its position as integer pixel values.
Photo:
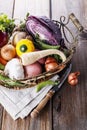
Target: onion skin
(50, 60)
(8, 52)
(73, 78)
(50, 64)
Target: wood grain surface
(73, 114)
(67, 110)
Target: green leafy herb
(6, 24)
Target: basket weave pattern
(29, 82)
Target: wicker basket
(71, 45)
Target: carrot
(2, 61)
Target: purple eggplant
(46, 29)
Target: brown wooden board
(42, 122)
(73, 114)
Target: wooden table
(72, 111)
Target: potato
(33, 69)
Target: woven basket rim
(30, 82)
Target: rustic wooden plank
(6, 7)
(42, 122)
(65, 7)
(84, 13)
(73, 114)
(35, 7)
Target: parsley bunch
(6, 24)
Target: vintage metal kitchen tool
(49, 95)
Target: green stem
(6, 81)
(2, 67)
(44, 84)
(42, 45)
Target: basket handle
(76, 22)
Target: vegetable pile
(29, 49)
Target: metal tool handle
(76, 22)
(42, 104)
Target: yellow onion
(50, 64)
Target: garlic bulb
(14, 69)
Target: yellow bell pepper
(24, 46)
